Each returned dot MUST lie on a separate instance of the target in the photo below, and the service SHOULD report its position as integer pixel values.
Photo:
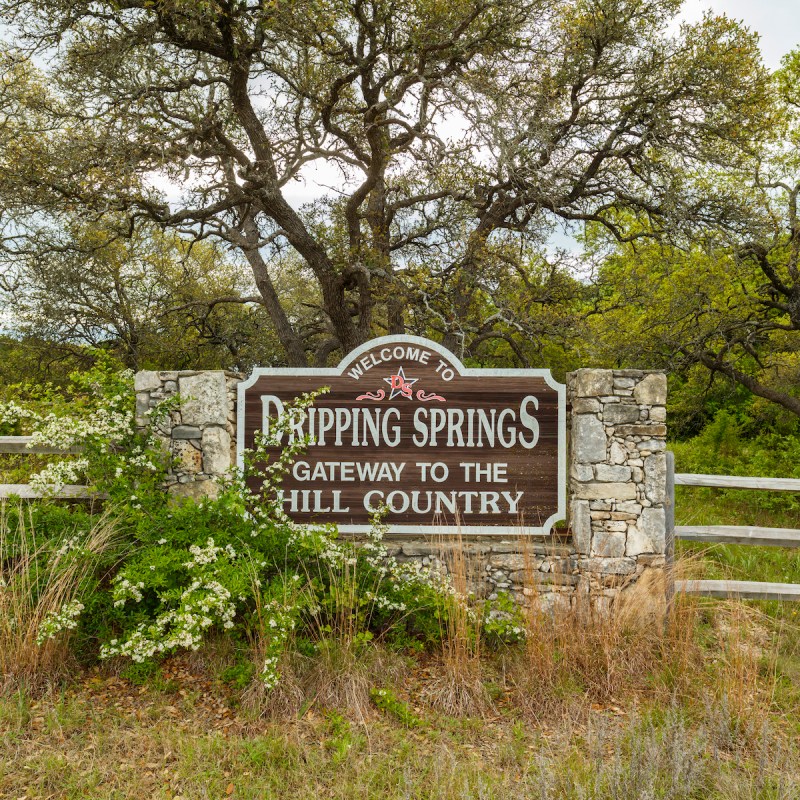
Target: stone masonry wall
(617, 493)
(200, 433)
(615, 538)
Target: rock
(588, 439)
(512, 562)
(616, 566)
(642, 430)
(605, 491)
(216, 445)
(607, 472)
(628, 373)
(630, 507)
(617, 454)
(652, 445)
(581, 525)
(608, 544)
(418, 549)
(204, 398)
(163, 427)
(194, 491)
(620, 413)
(146, 381)
(648, 535)
(582, 472)
(504, 547)
(651, 390)
(142, 409)
(186, 432)
(593, 382)
(586, 405)
(189, 459)
(658, 414)
(531, 571)
(655, 477)
(544, 579)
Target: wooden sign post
(407, 427)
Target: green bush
(722, 448)
(177, 573)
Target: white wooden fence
(21, 445)
(731, 534)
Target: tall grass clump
(581, 649)
(460, 689)
(349, 622)
(43, 583)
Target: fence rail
(26, 492)
(739, 534)
(744, 590)
(22, 445)
(737, 482)
(731, 534)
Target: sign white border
(329, 372)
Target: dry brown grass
(341, 674)
(459, 689)
(284, 701)
(347, 663)
(579, 652)
(36, 581)
(745, 669)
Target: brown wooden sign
(407, 427)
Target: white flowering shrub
(56, 621)
(236, 565)
(97, 415)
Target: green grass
(700, 506)
(86, 750)
(696, 506)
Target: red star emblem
(400, 385)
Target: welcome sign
(406, 427)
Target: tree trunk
(292, 344)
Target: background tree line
(150, 152)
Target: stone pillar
(618, 476)
(200, 433)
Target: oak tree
(457, 130)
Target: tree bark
(292, 344)
(781, 398)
